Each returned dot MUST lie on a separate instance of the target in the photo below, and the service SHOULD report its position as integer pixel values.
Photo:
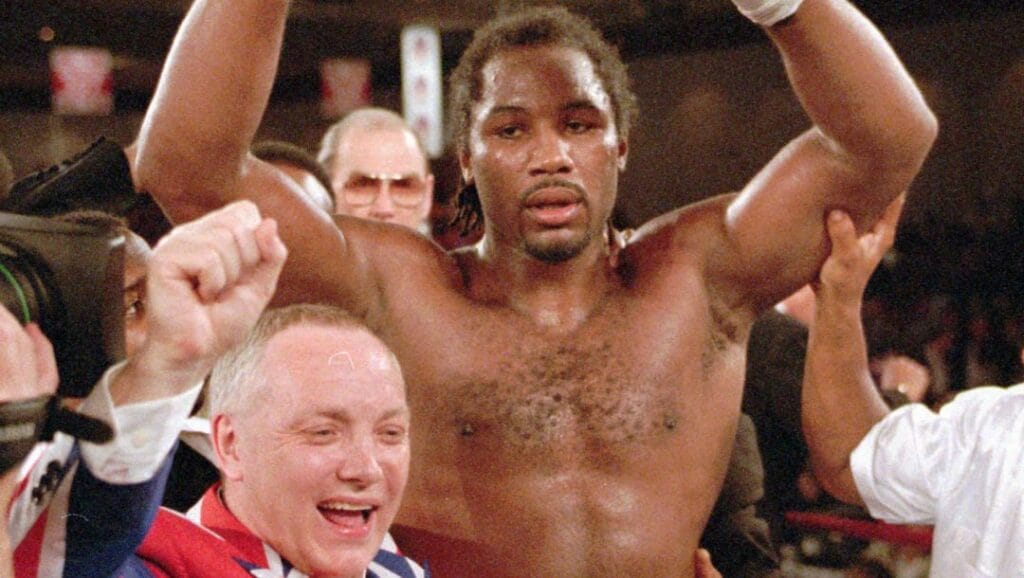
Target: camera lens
(23, 289)
(67, 278)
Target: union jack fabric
(82, 509)
(66, 522)
(209, 542)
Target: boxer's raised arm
(193, 149)
(871, 132)
(216, 82)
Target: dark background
(715, 106)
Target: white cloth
(144, 433)
(196, 435)
(961, 470)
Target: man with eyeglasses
(378, 169)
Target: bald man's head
(378, 168)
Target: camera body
(67, 278)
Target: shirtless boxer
(573, 413)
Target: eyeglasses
(406, 191)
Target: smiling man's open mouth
(346, 514)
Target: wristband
(767, 12)
(21, 423)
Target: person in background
(302, 167)
(956, 469)
(378, 169)
(137, 253)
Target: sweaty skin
(572, 411)
(566, 452)
(564, 421)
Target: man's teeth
(347, 507)
(364, 509)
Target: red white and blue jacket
(209, 542)
(81, 509)
(84, 511)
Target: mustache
(549, 183)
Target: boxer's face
(544, 151)
(318, 466)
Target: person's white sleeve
(899, 466)
(144, 433)
(911, 458)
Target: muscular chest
(621, 377)
(581, 391)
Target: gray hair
(236, 380)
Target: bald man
(378, 169)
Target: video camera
(69, 279)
